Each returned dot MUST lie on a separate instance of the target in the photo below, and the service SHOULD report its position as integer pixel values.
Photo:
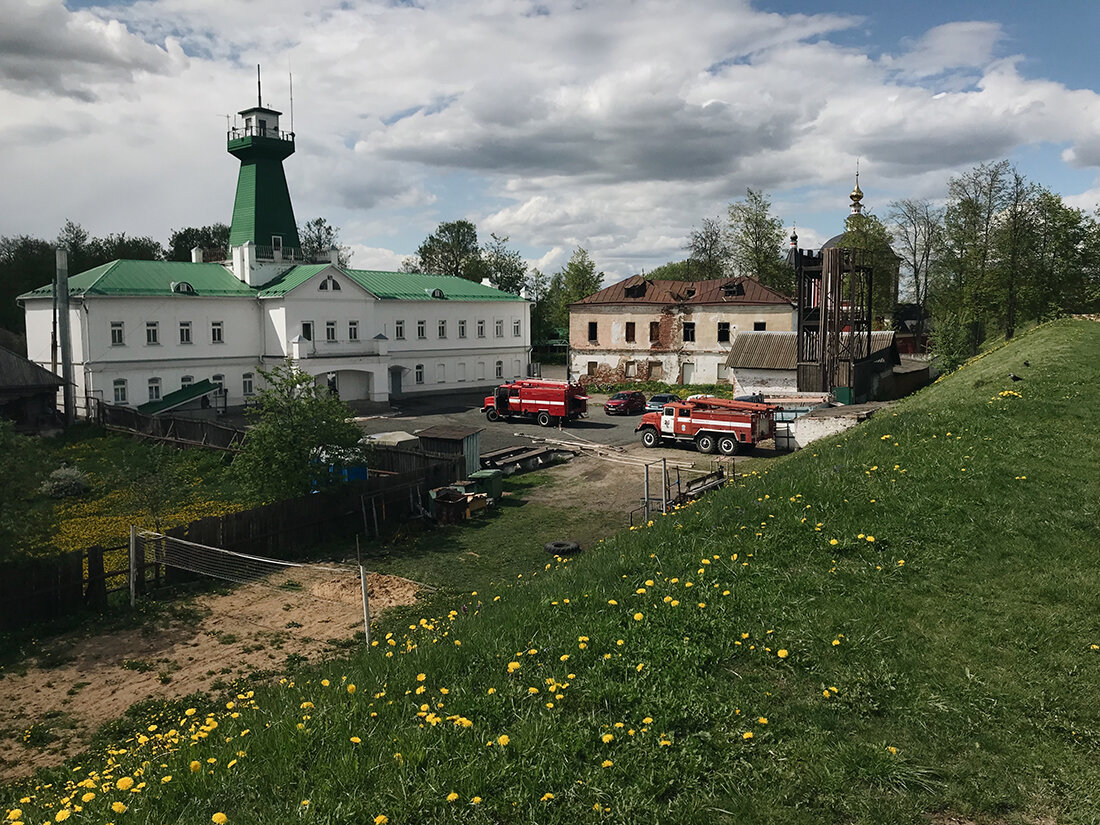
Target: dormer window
(183, 288)
(690, 292)
(438, 293)
(329, 283)
(732, 289)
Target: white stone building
(142, 330)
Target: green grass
(948, 667)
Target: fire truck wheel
(492, 414)
(704, 443)
(562, 548)
(727, 445)
(650, 438)
(544, 419)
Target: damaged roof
(733, 291)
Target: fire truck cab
(712, 424)
(547, 402)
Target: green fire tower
(262, 212)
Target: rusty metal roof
(779, 350)
(448, 432)
(732, 291)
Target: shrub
(64, 482)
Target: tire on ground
(544, 419)
(704, 443)
(562, 548)
(727, 445)
(650, 438)
(492, 414)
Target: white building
(144, 329)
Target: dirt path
(50, 707)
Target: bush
(65, 482)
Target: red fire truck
(547, 402)
(711, 423)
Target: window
(329, 283)
(441, 373)
(592, 367)
(759, 326)
(630, 332)
(353, 330)
(654, 331)
(152, 332)
(421, 329)
(419, 372)
(118, 339)
(631, 369)
(592, 336)
(246, 385)
(516, 331)
(723, 332)
(689, 331)
(461, 372)
(480, 329)
(186, 381)
(441, 329)
(500, 369)
(185, 332)
(120, 390)
(515, 368)
(154, 389)
(276, 240)
(330, 331)
(216, 336)
(462, 328)
(399, 330)
(480, 370)
(218, 379)
(307, 330)
(499, 328)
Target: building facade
(144, 329)
(680, 332)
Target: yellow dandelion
(381, 819)
(747, 735)
(118, 807)
(546, 797)
(638, 617)
(420, 677)
(475, 800)
(782, 653)
(62, 815)
(607, 737)
(452, 796)
(355, 740)
(503, 740)
(195, 766)
(607, 763)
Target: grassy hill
(894, 625)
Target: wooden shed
(445, 439)
(28, 393)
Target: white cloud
(614, 125)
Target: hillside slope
(896, 624)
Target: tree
(452, 250)
(293, 420)
(867, 233)
(711, 250)
(918, 235)
(317, 237)
(756, 241)
(26, 263)
(121, 247)
(579, 277)
(1016, 239)
(673, 271)
(506, 268)
(213, 239)
(537, 286)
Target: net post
(366, 606)
(133, 565)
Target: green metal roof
(180, 396)
(403, 286)
(150, 278)
(295, 276)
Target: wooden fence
(183, 431)
(40, 589)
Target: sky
(612, 125)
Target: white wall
(769, 382)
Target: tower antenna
(291, 100)
(259, 97)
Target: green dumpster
(490, 482)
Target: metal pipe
(61, 291)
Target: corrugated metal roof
(16, 372)
(404, 286)
(779, 350)
(732, 291)
(180, 396)
(295, 276)
(150, 278)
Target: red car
(625, 403)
